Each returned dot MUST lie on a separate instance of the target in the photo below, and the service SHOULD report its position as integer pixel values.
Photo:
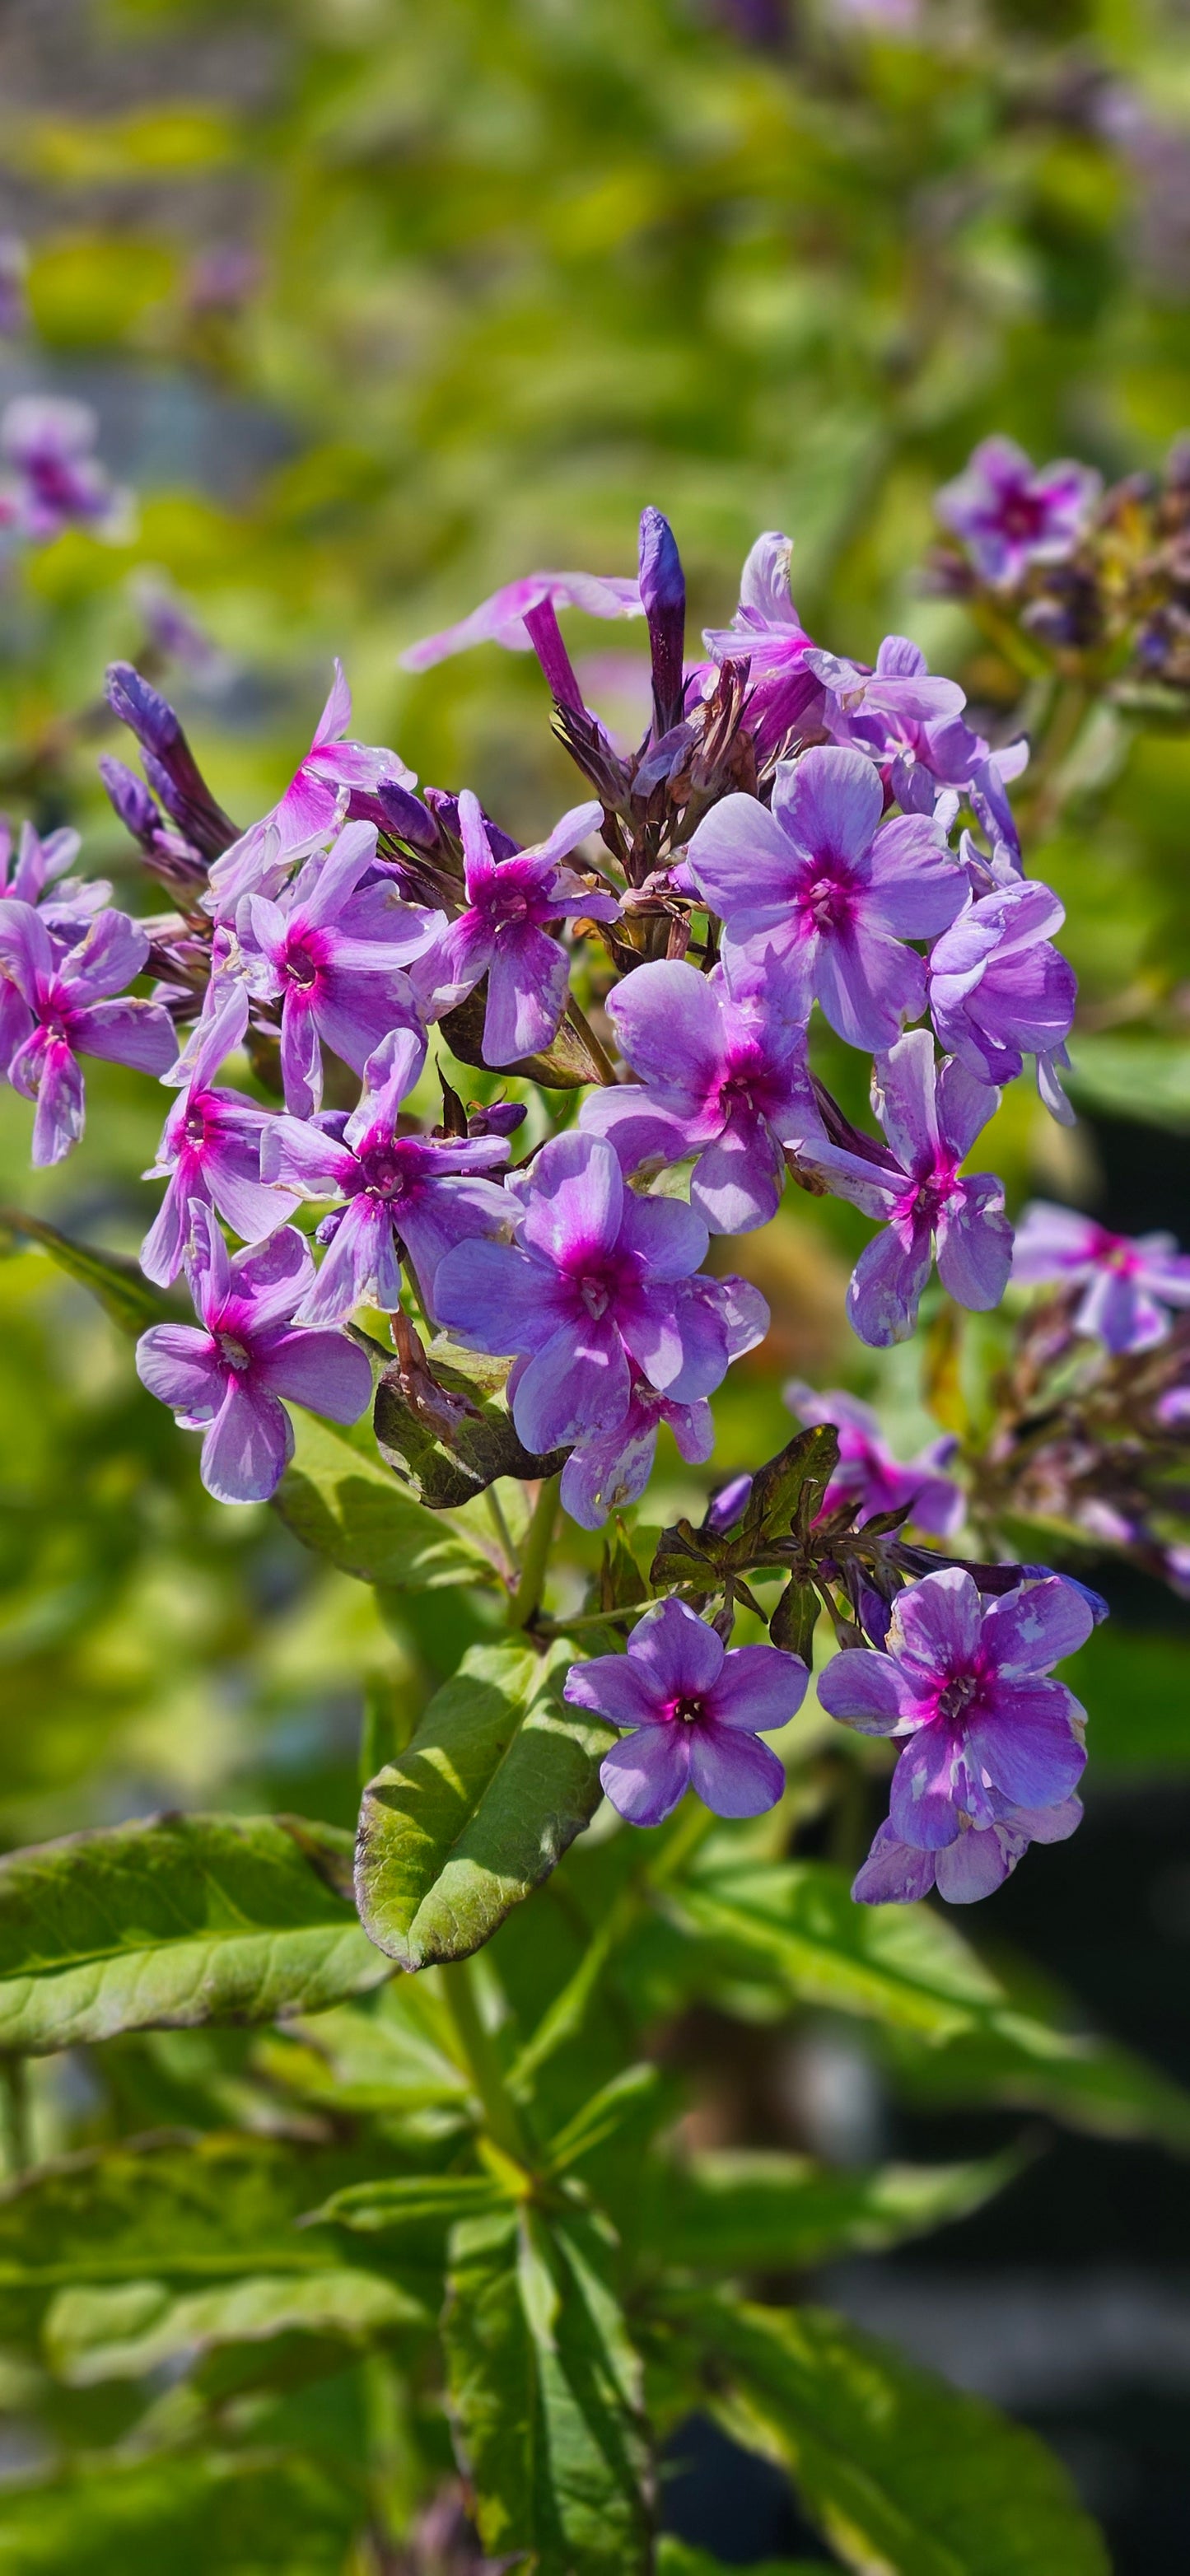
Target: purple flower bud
(131, 799)
(138, 705)
(501, 1119)
(405, 816)
(663, 592)
(727, 1505)
(170, 765)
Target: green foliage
(498, 1779)
(164, 1925)
(899, 2468)
(344, 1506)
(244, 2513)
(750, 2209)
(121, 1287)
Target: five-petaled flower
(723, 1076)
(1129, 1282)
(56, 481)
(1009, 513)
(824, 885)
(868, 1475)
(610, 1469)
(226, 1380)
(695, 1709)
(334, 955)
(210, 1153)
(989, 1731)
(767, 633)
(425, 1193)
(502, 934)
(931, 1118)
(999, 989)
(55, 1007)
(597, 1288)
(337, 780)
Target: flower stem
(14, 2114)
(535, 1554)
(599, 1055)
(479, 2056)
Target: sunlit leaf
(345, 1505)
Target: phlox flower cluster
(798, 841)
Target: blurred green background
(381, 304)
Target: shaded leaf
(903, 2472)
(546, 2400)
(345, 1506)
(901, 1963)
(245, 2514)
(122, 1290)
(412, 2200)
(1079, 2077)
(750, 2210)
(795, 1619)
(676, 2558)
(567, 1064)
(497, 1781)
(438, 1430)
(174, 1922)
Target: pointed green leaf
(244, 2514)
(499, 1778)
(904, 2473)
(412, 2200)
(346, 1506)
(900, 1963)
(1076, 2076)
(749, 2210)
(121, 1288)
(177, 1921)
(91, 2335)
(546, 2402)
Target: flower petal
(732, 1773)
(1026, 1743)
(248, 1447)
(181, 1367)
(759, 1687)
(1034, 1627)
(894, 1873)
(646, 1774)
(865, 1690)
(322, 1370)
(621, 1688)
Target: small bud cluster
(797, 834)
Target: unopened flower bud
(663, 592)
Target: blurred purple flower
(1129, 1282)
(868, 1475)
(335, 957)
(1010, 513)
(175, 631)
(597, 1289)
(610, 1470)
(226, 1380)
(823, 885)
(695, 1711)
(36, 878)
(722, 1062)
(998, 988)
(974, 1865)
(931, 1118)
(501, 619)
(336, 780)
(54, 1008)
(501, 934)
(210, 1154)
(968, 1684)
(56, 482)
(422, 1192)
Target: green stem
(535, 1554)
(479, 2056)
(502, 1530)
(14, 2114)
(591, 1619)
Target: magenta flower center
(386, 1171)
(958, 1695)
(688, 1712)
(828, 902)
(1021, 514)
(302, 963)
(236, 1354)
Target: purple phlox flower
(54, 1008)
(210, 1152)
(611, 1469)
(663, 598)
(868, 1475)
(598, 1288)
(723, 1077)
(768, 634)
(501, 619)
(998, 989)
(1129, 1282)
(501, 934)
(227, 1378)
(425, 1193)
(901, 688)
(223, 1019)
(335, 959)
(1009, 513)
(695, 1710)
(56, 481)
(931, 1117)
(37, 876)
(822, 883)
(974, 1865)
(312, 806)
(968, 1684)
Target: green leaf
(676, 2558)
(439, 1431)
(392, 2060)
(499, 1778)
(903, 2472)
(91, 2335)
(343, 1505)
(175, 1922)
(412, 2200)
(192, 2216)
(1142, 1078)
(618, 2104)
(245, 2514)
(901, 1964)
(795, 1619)
(122, 1291)
(748, 2210)
(788, 1489)
(1029, 2064)
(546, 2398)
